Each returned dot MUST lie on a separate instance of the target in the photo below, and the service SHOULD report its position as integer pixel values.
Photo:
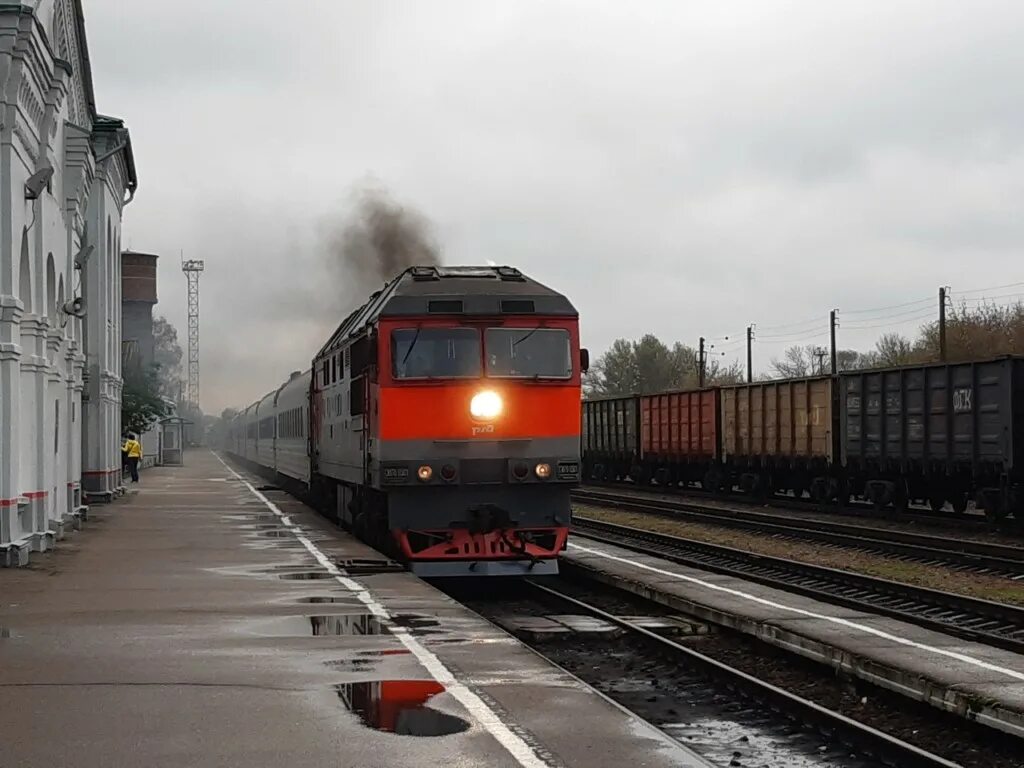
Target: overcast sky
(682, 168)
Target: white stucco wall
(50, 441)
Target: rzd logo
(483, 429)
(963, 400)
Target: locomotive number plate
(396, 474)
(568, 469)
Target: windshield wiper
(517, 342)
(412, 344)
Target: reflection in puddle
(351, 664)
(385, 652)
(417, 623)
(292, 568)
(5, 632)
(275, 533)
(306, 575)
(397, 706)
(348, 624)
(347, 599)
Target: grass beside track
(817, 553)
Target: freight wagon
(941, 433)
(778, 436)
(935, 433)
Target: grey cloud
(682, 168)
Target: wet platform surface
(192, 625)
(948, 672)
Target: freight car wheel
(995, 511)
(937, 501)
(959, 502)
(900, 498)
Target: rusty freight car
(679, 440)
(778, 436)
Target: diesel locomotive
(440, 422)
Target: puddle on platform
(386, 652)
(368, 567)
(417, 623)
(344, 599)
(290, 567)
(305, 575)
(347, 624)
(275, 533)
(398, 706)
(351, 665)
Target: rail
(996, 624)
(979, 556)
(859, 736)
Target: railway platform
(203, 622)
(971, 679)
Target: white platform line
(516, 746)
(1012, 673)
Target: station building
(66, 175)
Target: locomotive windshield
(435, 353)
(542, 353)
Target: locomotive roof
(456, 291)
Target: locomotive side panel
(339, 432)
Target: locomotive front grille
(483, 471)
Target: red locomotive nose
(448, 472)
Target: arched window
(60, 292)
(25, 274)
(51, 289)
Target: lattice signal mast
(192, 268)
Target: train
(936, 433)
(440, 422)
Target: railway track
(765, 724)
(853, 509)
(967, 555)
(997, 624)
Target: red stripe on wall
(34, 494)
(8, 502)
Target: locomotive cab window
(435, 353)
(541, 353)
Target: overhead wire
(990, 288)
(885, 309)
(785, 326)
(983, 299)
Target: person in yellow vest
(133, 448)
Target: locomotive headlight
(543, 471)
(485, 405)
(424, 473)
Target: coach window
(435, 353)
(541, 353)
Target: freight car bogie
(671, 471)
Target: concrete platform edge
(948, 698)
